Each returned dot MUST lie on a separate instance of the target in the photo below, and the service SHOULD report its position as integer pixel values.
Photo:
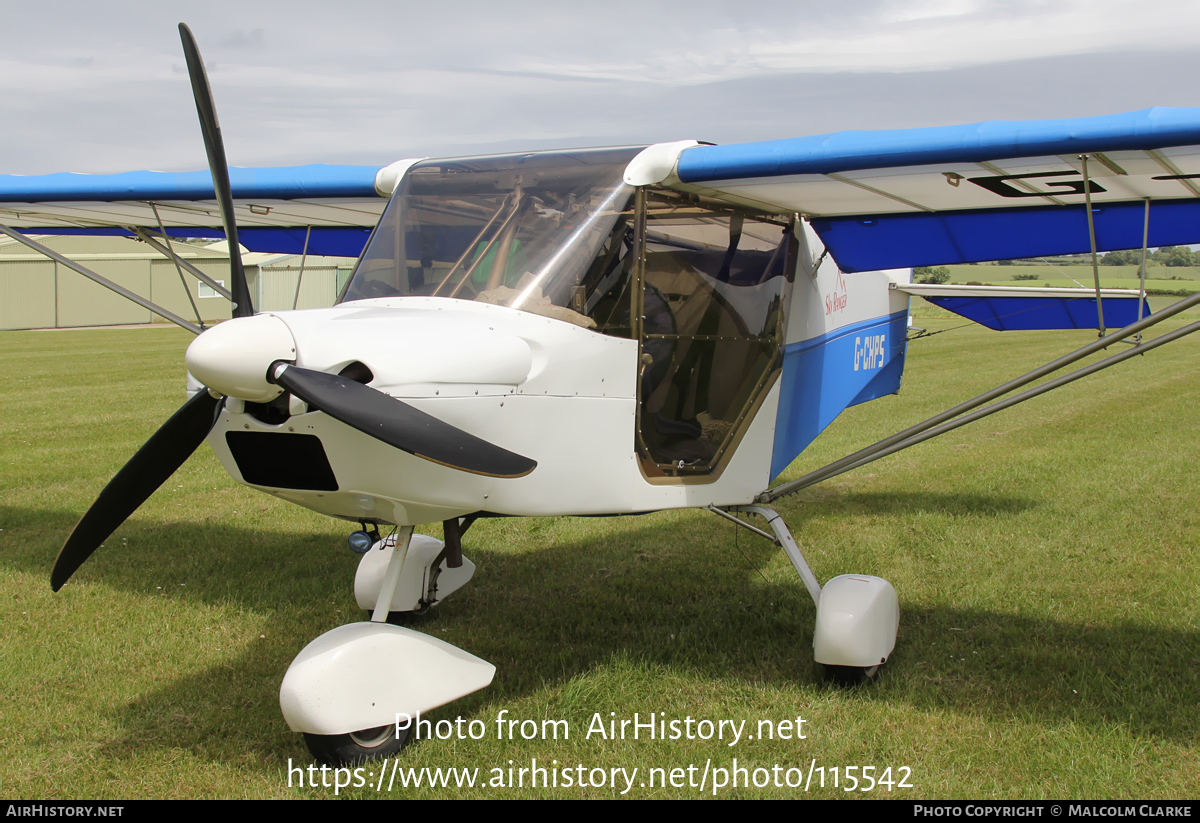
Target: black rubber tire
(356, 748)
(401, 618)
(850, 676)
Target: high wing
(275, 207)
(878, 199)
(962, 194)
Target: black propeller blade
(154, 462)
(398, 424)
(206, 109)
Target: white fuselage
(543, 388)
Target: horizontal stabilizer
(1025, 308)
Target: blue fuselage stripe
(825, 375)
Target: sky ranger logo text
(836, 301)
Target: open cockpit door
(710, 326)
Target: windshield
(545, 232)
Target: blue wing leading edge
(878, 199)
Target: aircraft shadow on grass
(634, 589)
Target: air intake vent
(282, 461)
(358, 372)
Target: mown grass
(1158, 278)
(1045, 560)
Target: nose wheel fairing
(367, 675)
(376, 675)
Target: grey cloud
(365, 83)
(239, 39)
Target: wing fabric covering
(994, 140)
(893, 240)
(963, 194)
(274, 206)
(332, 241)
(878, 199)
(316, 180)
(167, 450)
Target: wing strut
(103, 281)
(1087, 194)
(149, 239)
(1142, 268)
(944, 422)
(178, 268)
(300, 278)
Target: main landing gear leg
(857, 615)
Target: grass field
(1158, 278)
(1045, 560)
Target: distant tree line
(1170, 256)
(931, 274)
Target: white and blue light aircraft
(599, 331)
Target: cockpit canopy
(699, 284)
(521, 230)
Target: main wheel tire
(850, 676)
(401, 618)
(356, 748)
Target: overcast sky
(101, 86)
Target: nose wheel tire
(358, 747)
(409, 618)
(851, 675)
